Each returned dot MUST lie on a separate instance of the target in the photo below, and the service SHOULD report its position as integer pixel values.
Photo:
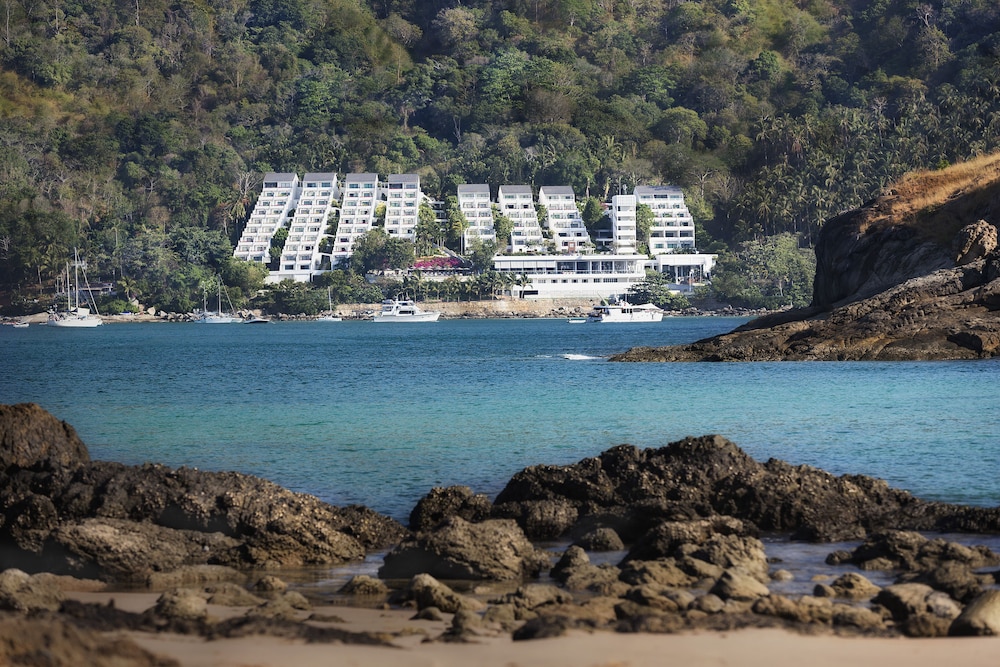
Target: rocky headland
(684, 523)
(912, 275)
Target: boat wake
(580, 357)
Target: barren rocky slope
(911, 275)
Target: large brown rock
(32, 438)
(441, 503)
(61, 512)
(980, 618)
(909, 550)
(456, 549)
(710, 476)
(59, 643)
(974, 242)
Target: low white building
(686, 269)
(278, 198)
(563, 219)
(598, 276)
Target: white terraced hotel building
(623, 224)
(477, 207)
(357, 213)
(563, 219)
(277, 200)
(673, 226)
(517, 203)
(308, 207)
(301, 257)
(402, 205)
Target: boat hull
(75, 322)
(420, 317)
(620, 319)
(216, 319)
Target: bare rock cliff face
(855, 259)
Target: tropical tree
(503, 226)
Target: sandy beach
(741, 648)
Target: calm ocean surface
(355, 412)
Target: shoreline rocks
(682, 521)
(63, 513)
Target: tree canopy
(136, 131)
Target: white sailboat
(75, 316)
(219, 316)
(329, 317)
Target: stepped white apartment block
(673, 226)
(477, 207)
(623, 224)
(357, 213)
(402, 205)
(517, 203)
(301, 257)
(278, 197)
(563, 219)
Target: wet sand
(742, 648)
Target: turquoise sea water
(356, 412)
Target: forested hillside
(138, 130)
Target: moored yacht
(404, 311)
(623, 311)
(75, 316)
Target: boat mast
(76, 278)
(69, 297)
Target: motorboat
(404, 311)
(75, 316)
(576, 320)
(623, 311)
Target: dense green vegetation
(138, 131)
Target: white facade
(278, 198)
(688, 269)
(673, 226)
(599, 276)
(402, 205)
(357, 212)
(301, 257)
(517, 203)
(623, 224)
(564, 220)
(477, 207)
